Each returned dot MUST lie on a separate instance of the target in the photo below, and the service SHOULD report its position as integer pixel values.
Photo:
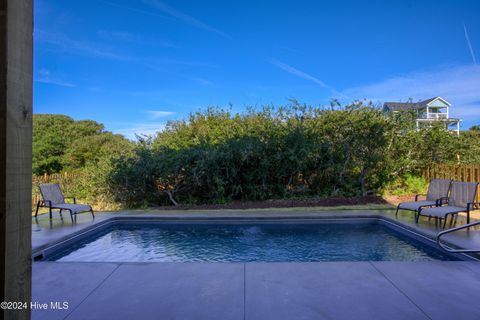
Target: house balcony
(430, 118)
(436, 116)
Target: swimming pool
(248, 242)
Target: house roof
(405, 106)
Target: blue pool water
(249, 243)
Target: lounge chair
(53, 198)
(461, 199)
(437, 192)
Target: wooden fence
(460, 172)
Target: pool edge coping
(39, 253)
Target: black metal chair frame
(48, 204)
(470, 207)
(438, 202)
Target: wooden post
(16, 60)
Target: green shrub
(216, 156)
(406, 185)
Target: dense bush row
(216, 156)
(295, 151)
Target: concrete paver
(65, 282)
(442, 289)
(168, 291)
(330, 290)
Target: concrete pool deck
(324, 290)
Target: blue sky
(133, 65)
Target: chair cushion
(441, 211)
(416, 205)
(75, 208)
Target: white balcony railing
(435, 116)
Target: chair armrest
(74, 199)
(442, 201)
(418, 195)
(45, 203)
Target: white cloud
(460, 85)
(134, 129)
(150, 94)
(185, 18)
(201, 81)
(126, 36)
(287, 68)
(62, 41)
(55, 82)
(116, 35)
(44, 76)
(155, 114)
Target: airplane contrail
(287, 68)
(469, 45)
